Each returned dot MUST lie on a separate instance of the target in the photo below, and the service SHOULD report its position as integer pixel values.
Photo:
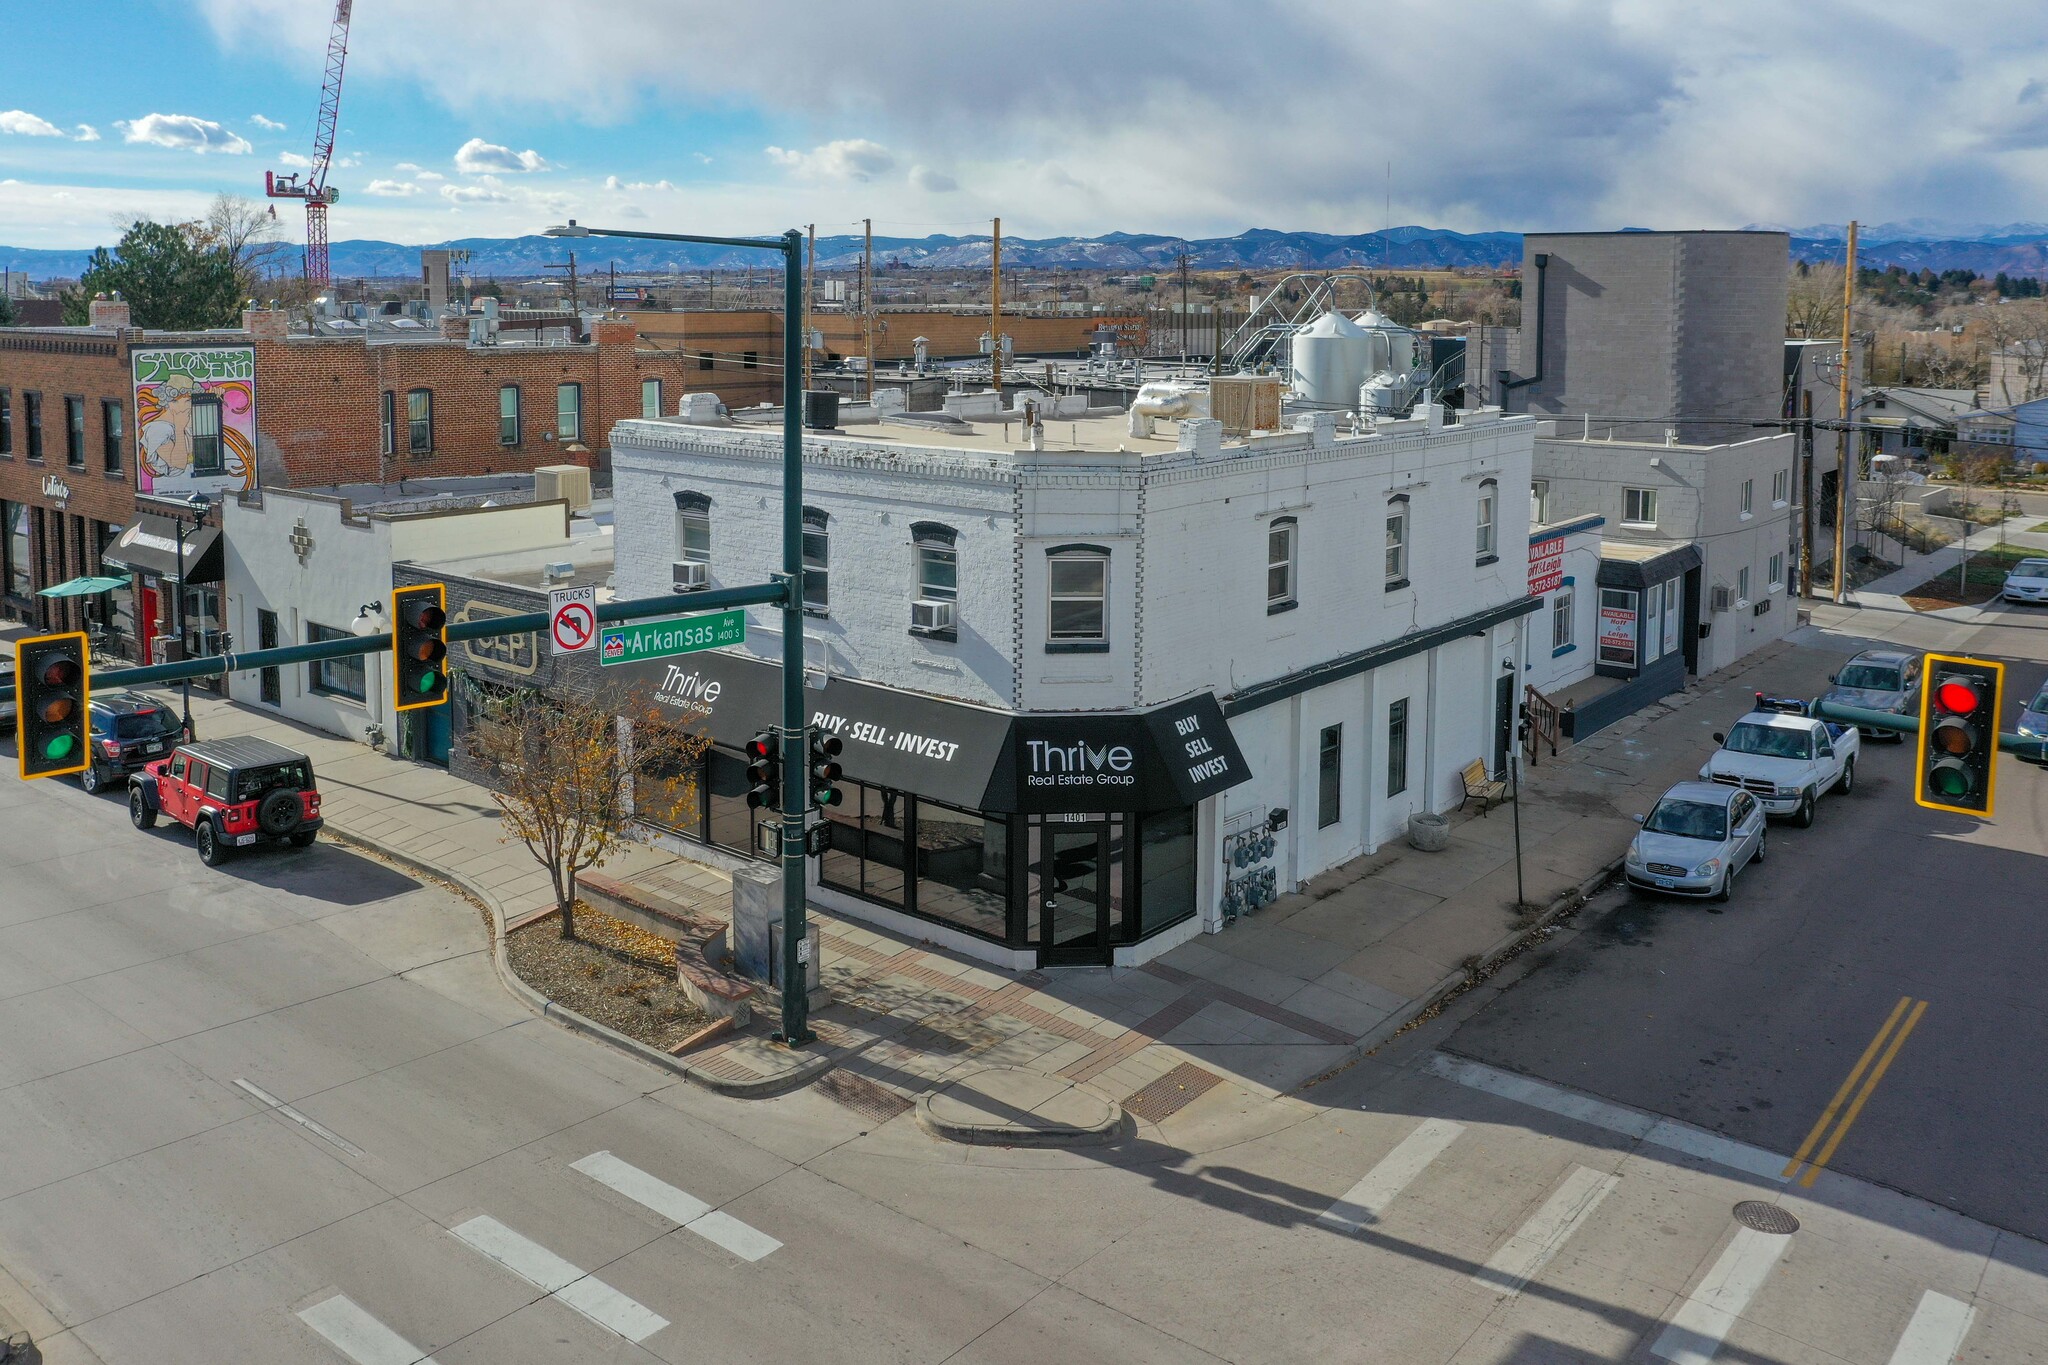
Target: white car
(1695, 839)
(2027, 581)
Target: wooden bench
(1487, 791)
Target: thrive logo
(1079, 765)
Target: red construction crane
(314, 190)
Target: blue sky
(1199, 117)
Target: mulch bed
(613, 972)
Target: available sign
(1546, 566)
(632, 642)
(1618, 634)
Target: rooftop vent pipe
(1508, 383)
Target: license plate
(245, 838)
(1666, 883)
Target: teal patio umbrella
(85, 587)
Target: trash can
(1430, 833)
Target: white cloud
(267, 124)
(295, 161)
(24, 124)
(612, 182)
(478, 157)
(347, 160)
(700, 158)
(183, 132)
(931, 181)
(86, 133)
(391, 189)
(846, 159)
(475, 194)
(405, 166)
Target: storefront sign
(1617, 634)
(504, 653)
(56, 490)
(1546, 566)
(195, 418)
(640, 640)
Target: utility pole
(1843, 471)
(575, 306)
(810, 293)
(995, 311)
(1184, 316)
(867, 299)
(1805, 492)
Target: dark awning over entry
(1641, 573)
(151, 546)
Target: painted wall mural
(195, 419)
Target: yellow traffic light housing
(1959, 709)
(52, 688)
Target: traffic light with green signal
(764, 771)
(419, 647)
(824, 769)
(51, 682)
(1959, 710)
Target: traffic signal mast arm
(2022, 745)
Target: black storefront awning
(968, 756)
(151, 546)
(1641, 573)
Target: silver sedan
(1695, 839)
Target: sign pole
(796, 1007)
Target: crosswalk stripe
(678, 1206)
(1364, 1202)
(538, 1266)
(1936, 1333)
(1615, 1118)
(357, 1335)
(1536, 1241)
(1703, 1321)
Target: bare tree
(249, 234)
(1813, 302)
(1973, 465)
(571, 776)
(2016, 332)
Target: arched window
(938, 560)
(1280, 548)
(1397, 541)
(693, 528)
(817, 562)
(1487, 534)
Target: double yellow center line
(1909, 1010)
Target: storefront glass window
(730, 818)
(963, 868)
(1166, 867)
(865, 851)
(14, 525)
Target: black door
(1073, 889)
(1503, 720)
(266, 638)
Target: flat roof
(590, 558)
(1099, 434)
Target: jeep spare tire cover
(279, 813)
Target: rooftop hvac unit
(1245, 403)
(930, 614)
(561, 571)
(689, 575)
(570, 482)
(1723, 597)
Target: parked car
(128, 731)
(2027, 581)
(2034, 723)
(1879, 680)
(231, 793)
(7, 688)
(1784, 758)
(1695, 839)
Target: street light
(197, 505)
(795, 796)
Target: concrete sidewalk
(1207, 1033)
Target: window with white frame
(1484, 540)
(569, 412)
(1397, 542)
(1639, 507)
(419, 421)
(1777, 571)
(1749, 497)
(693, 528)
(937, 554)
(1561, 619)
(1781, 488)
(1742, 584)
(650, 398)
(1077, 596)
(817, 548)
(1539, 502)
(508, 414)
(1280, 543)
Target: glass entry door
(1073, 888)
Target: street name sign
(634, 641)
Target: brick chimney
(615, 332)
(455, 326)
(266, 324)
(111, 313)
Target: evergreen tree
(168, 279)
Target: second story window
(750, 360)
(704, 361)
(1781, 487)
(1639, 507)
(693, 528)
(1077, 597)
(937, 553)
(1748, 497)
(32, 419)
(74, 432)
(569, 412)
(6, 423)
(419, 421)
(1397, 542)
(1539, 501)
(1280, 543)
(1486, 539)
(817, 562)
(206, 451)
(111, 435)
(650, 398)
(508, 415)
(387, 422)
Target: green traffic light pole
(2023, 745)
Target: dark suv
(128, 731)
(232, 793)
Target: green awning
(85, 587)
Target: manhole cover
(1762, 1217)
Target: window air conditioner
(1724, 597)
(691, 575)
(928, 615)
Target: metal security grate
(865, 1097)
(1171, 1093)
(1758, 1216)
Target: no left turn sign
(572, 619)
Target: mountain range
(2016, 249)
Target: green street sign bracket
(638, 640)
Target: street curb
(1115, 1127)
(1455, 982)
(569, 1019)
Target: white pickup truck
(1785, 758)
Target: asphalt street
(1748, 1022)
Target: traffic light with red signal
(419, 647)
(764, 771)
(1959, 710)
(51, 685)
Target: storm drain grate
(1758, 1216)
(1171, 1093)
(865, 1097)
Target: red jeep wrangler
(232, 793)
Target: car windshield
(1688, 820)
(1769, 741)
(154, 723)
(2031, 568)
(257, 781)
(1875, 677)
(2040, 701)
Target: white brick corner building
(1099, 692)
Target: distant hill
(2016, 249)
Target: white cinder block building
(1099, 691)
